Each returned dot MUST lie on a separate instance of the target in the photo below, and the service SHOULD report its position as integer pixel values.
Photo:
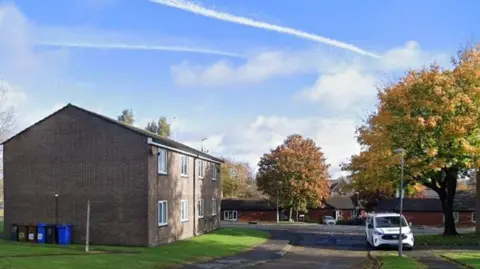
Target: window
(201, 208)
(474, 217)
(184, 165)
(184, 211)
(230, 215)
(214, 176)
(162, 161)
(162, 213)
(201, 169)
(214, 207)
(455, 216)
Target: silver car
(329, 220)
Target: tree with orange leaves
(434, 115)
(297, 170)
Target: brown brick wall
(173, 187)
(436, 219)
(80, 157)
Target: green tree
(126, 117)
(297, 171)
(164, 128)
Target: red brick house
(428, 212)
(144, 189)
(340, 207)
(243, 210)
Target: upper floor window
(201, 169)
(214, 172)
(162, 161)
(184, 165)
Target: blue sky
(243, 87)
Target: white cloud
(249, 142)
(268, 65)
(341, 90)
(223, 16)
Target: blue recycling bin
(41, 233)
(64, 233)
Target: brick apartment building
(144, 190)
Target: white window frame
(162, 159)
(201, 208)
(227, 215)
(184, 164)
(159, 215)
(474, 217)
(214, 172)
(201, 169)
(184, 210)
(214, 207)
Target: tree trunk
(290, 214)
(297, 214)
(448, 201)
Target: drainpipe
(195, 195)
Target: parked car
(384, 229)
(329, 220)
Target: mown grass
(468, 239)
(470, 258)
(224, 242)
(390, 260)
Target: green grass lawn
(390, 260)
(471, 258)
(224, 242)
(441, 240)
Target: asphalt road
(320, 249)
(320, 246)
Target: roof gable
(156, 138)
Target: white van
(383, 229)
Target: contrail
(203, 11)
(138, 47)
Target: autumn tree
(238, 180)
(433, 114)
(126, 117)
(297, 171)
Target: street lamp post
(400, 239)
(202, 143)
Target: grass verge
(470, 239)
(224, 242)
(390, 260)
(471, 259)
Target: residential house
(245, 210)
(341, 207)
(144, 189)
(428, 212)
